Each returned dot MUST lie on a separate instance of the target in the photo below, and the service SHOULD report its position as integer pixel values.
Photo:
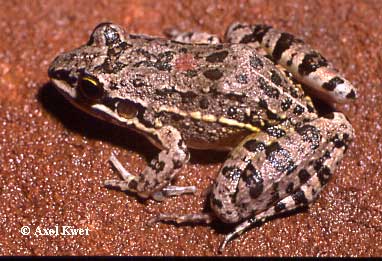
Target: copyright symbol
(25, 230)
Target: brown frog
(192, 91)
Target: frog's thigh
(156, 177)
(192, 37)
(306, 64)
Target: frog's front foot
(129, 183)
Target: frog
(249, 95)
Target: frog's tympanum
(243, 96)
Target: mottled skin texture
(198, 93)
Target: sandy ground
(53, 158)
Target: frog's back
(209, 92)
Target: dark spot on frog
(254, 146)
(324, 175)
(191, 73)
(133, 184)
(285, 104)
(254, 119)
(268, 89)
(183, 50)
(231, 111)
(273, 116)
(204, 103)
(256, 190)
(242, 78)
(338, 142)
(299, 198)
(319, 163)
(311, 62)
(351, 95)
(176, 117)
(253, 179)
(163, 62)
(138, 82)
(231, 173)
(216, 202)
(289, 188)
(217, 57)
(310, 108)
(117, 50)
(218, 47)
(298, 110)
(257, 34)
(256, 62)
(303, 175)
(283, 44)
(110, 66)
(188, 97)
(290, 61)
(274, 198)
(156, 165)
(279, 158)
(177, 164)
(291, 170)
(263, 104)
(275, 77)
(310, 134)
(238, 26)
(275, 132)
(332, 83)
(213, 74)
(279, 207)
(293, 92)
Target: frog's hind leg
(268, 175)
(305, 182)
(306, 64)
(192, 37)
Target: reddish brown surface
(54, 158)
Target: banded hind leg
(306, 64)
(266, 175)
(192, 37)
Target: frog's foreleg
(192, 37)
(155, 179)
(306, 64)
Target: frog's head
(77, 73)
(87, 76)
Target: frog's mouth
(65, 89)
(99, 110)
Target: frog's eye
(90, 88)
(126, 109)
(106, 34)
